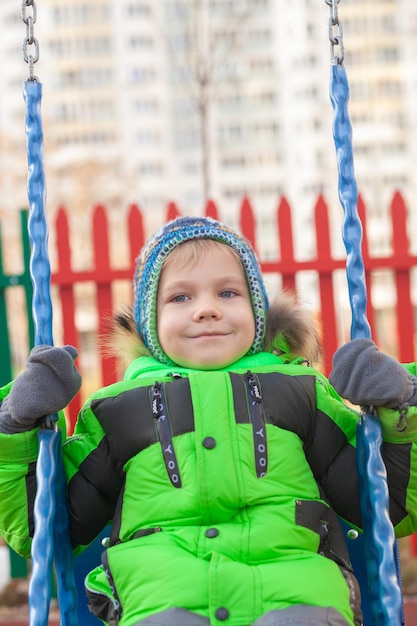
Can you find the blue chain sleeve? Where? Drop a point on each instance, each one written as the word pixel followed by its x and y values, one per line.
pixel 379 538
pixel 51 537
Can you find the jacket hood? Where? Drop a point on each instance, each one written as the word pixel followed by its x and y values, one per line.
pixel 151 261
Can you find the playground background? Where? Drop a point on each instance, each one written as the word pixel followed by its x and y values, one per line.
pixel 91 275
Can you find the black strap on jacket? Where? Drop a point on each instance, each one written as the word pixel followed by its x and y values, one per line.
pixel 258 423
pixel 160 413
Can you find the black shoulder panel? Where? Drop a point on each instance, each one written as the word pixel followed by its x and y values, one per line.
pixel 288 401
pixel 92 494
pixel 128 421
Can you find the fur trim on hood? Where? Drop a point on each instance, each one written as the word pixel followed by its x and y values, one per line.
pixel 122 340
pixel 291 333
pixel 291 330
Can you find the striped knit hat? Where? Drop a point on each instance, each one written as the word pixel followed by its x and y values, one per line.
pixel 153 255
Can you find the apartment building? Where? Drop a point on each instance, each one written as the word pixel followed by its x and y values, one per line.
pixel 154 100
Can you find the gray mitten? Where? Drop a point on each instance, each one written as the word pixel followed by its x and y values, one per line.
pixel 49 382
pixel 367 377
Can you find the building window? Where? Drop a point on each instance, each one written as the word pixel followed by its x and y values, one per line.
pixel 141 42
pixel 142 74
pixel 151 169
pixel 145 105
pixel 147 137
pixel 139 8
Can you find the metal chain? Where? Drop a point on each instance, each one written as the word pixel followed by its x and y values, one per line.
pixel 30 39
pixel 335 33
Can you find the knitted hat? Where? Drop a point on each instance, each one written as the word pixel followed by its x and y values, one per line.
pixel 153 255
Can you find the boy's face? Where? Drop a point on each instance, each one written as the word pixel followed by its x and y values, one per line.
pixel 204 311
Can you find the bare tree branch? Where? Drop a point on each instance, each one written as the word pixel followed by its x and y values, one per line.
pixel 210 55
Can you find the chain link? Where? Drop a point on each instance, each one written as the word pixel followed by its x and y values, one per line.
pixel 30 39
pixel 335 33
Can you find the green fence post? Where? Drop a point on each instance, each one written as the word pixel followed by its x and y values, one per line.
pixel 18 565
pixel 5 361
pixel 25 278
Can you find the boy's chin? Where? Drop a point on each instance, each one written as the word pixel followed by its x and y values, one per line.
pixel 206 365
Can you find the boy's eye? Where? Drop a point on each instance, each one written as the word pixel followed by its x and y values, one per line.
pixel 180 298
pixel 228 293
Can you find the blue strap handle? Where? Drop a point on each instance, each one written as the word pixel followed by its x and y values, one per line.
pixel 51 536
pixel 379 538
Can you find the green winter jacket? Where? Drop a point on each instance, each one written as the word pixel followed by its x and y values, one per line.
pixel 220 486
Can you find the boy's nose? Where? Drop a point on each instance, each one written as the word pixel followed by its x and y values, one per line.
pixel 207 310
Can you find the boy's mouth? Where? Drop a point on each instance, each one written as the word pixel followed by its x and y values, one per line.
pixel 209 335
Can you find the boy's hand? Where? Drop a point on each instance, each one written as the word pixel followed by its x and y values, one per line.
pixel 49 382
pixel 365 376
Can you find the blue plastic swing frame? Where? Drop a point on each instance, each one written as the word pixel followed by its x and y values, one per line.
pixel 51 543
pixel 380 548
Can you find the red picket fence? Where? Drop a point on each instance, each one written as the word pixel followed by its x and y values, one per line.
pixel 400 262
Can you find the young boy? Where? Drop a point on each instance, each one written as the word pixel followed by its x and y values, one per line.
pixel 221 459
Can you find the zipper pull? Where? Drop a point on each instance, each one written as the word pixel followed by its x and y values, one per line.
pixel 156 400
pixel 253 387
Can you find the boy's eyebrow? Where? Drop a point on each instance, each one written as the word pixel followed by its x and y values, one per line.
pixel 220 279
pixel 223 281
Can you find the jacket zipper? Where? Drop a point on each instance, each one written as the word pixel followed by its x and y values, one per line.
pixel 258 423
pixel 160 413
